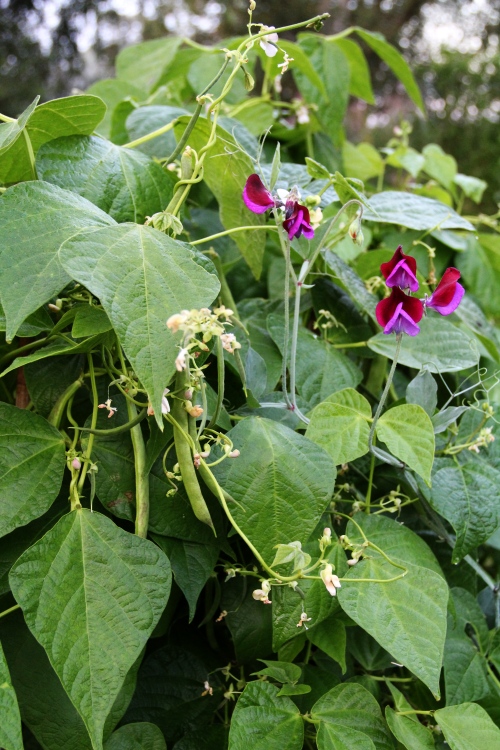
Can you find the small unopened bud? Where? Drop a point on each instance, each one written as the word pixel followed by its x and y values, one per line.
pixel 196 460
pixel 188 394
pixel 355 232
pixel 195 411
pixel 76 464
pixel 234 454
pixel 249 81
pixel 252 5
pixel 312 201
pixel 352 562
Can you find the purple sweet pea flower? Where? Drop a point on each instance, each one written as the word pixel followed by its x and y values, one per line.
pixel 447 295
pixel 297 221
pixel 401 271
pixel 400 313
pixel 256 196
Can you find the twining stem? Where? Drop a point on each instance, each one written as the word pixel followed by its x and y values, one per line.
pixel 370 484
pixel 59 407
pixel 381 403
pixel 88 453
pixel 122 428
pixel 11 609
pixel 257 227
pixel 141 475
pixel 220 383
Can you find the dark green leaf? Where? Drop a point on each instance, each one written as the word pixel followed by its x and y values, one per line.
pixel 340 425
pixel 408 433
pixel 144 120
pixel 31 474
pixel 422 390
pixel 10 727
pixel 140 736
pixel 272 722
pixel 409 731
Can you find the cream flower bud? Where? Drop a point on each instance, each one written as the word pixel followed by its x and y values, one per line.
pixel 195 411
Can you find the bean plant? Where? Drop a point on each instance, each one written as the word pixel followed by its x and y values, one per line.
pixel 249 482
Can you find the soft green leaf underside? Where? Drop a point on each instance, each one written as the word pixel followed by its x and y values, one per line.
pixel 409 434
pixel 91 594
pixel 468 727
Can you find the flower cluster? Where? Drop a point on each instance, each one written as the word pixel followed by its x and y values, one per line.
pixel 205 322
pixel 296 221
pixel 400 312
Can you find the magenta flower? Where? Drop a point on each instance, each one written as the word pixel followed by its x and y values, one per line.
pixel 401 271
pixel 297 221
pixel 256 196
pixel 447 295
pixel 400 313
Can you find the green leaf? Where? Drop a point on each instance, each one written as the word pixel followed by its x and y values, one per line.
pixel 360 82
pixel 10 728
pixel 340 425
pixel 11 131
pixel 473 187
pixel 60 346
pixel 272 722
pixel 40 321
pixel 422 391
pixel 353 284
pixel 226 175
pixel 30 475
pixel 60 117
pixel 291 552
pixel 362 161
pixel 414 212
pixel 406 616
pixel 468 727
pixel 35 218
pixel 439 347
pixel 294 690
pixel 480 266
pixel 350 718
pixel 281 482
pixel 409 731
pixel 346 191
pixel 122 182
pixel 408 433
pixel 89 321
pixel 395 61
pixel 113 585
pixel 320 368
pixel 302 62
pixel 112 91
pixel 249 622
pixel 407 158
pixel 330 637
pixel 143 64
pixel 192 565
pixel 468 496
pixel 440 166
pixel 47 380
pixel 140 736
pixel 144 120
pixel 141 277
pixel 281 671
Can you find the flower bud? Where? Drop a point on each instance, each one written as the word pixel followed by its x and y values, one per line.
pixel 312 201
pixel 355 232
pixel 249 81
pixel 234 454
pixel 195 411
pixel 76 464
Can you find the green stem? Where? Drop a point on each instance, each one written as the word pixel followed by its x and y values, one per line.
pixel 184 138
pixel 31 153
pixel 347 345
pixel 122 428
pixel 220 383
pixel 59 407
pixel 381 403
pixel 285 246
pixel 150 136
pixel 22 349
pixel 88 453
pixel 8 611
pixel 370 485
pixel 225 291
pixel 141 475
pixel 257 227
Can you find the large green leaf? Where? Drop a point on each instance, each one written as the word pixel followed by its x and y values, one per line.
pixel 250 626
pixel 144 120
pixel 406 616
pixel 121 181
pixel 281 481
pixel 440 166
pixel 440 347
pixel 340 425
pixel 31 466
pixel 226 169
pixel 91 594
pixel 10 726
pixel 409 434
pixel 320 368
pixel 395 61
pixel 140 736
pixel 143 64
pixel 350 717
pixel 59 117
pixel 59 346
pixel 360 83
pixel 409 731
pixel 354 285
pixel 45 707
pixel 141 277
pixel 112 91
pixel 480 266
pixel 35 218
pixel 468 496
pixel 468 727
pixel 414 212
pixel 267 721
pixel 11 131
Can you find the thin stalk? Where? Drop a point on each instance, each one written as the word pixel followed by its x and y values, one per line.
pixel 285 246
pixel 220 383
pixel 59 407
pixel 141 475
pixel 122 428
pixel 370 485
pixel 257 227
pixel 189 129
pixel 31 153
pixel 381 403
pixel 88 453
pixel 150 136
pixel 8 611
pixel 23 349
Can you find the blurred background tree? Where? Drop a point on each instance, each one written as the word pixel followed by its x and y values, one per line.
pixel 53 46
